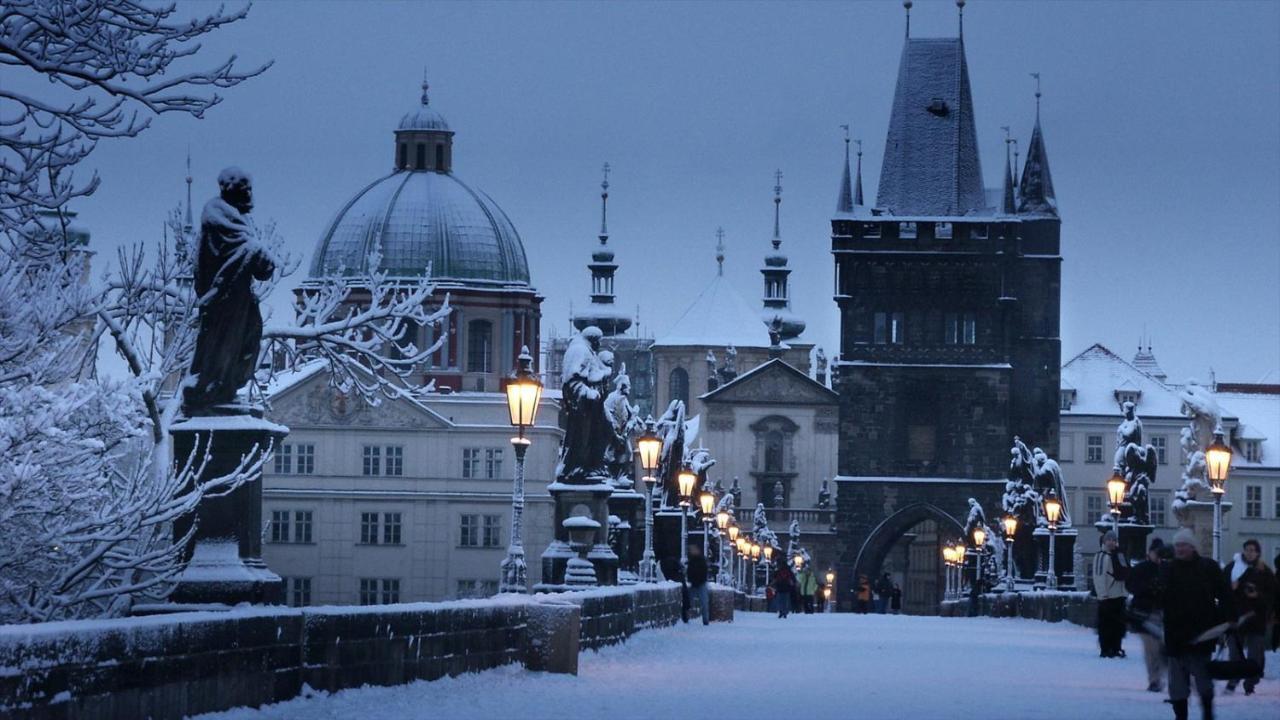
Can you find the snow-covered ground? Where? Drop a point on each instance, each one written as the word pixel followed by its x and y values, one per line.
pixel 815 666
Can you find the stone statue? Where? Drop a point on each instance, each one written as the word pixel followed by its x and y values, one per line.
pixel 587 431
pixel 1048 476
pixel 1128 432
pixel 624 421
pixel 779 494
pixel 1136 463
pixel 976 518
pixel 824 497
pixel 1203 417
pixel 228 260
pixel 759 519
pixel 671 427
pixel 820 360
pixel 794 531
pixel 775 333
pixel 736 492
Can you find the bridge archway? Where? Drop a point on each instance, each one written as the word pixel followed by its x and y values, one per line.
pixel 914 537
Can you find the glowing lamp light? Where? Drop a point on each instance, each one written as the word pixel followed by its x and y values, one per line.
pixel 722 520
pixel 743 548
pixel 826 593
pixel 768 552
pixel 755 551
pixel 959 551
pixel 979 536
pixel 1052 508
pixel 831 577
pixel 649 446
pixel 1010 525
pixel 707 501
pixel 1115 490
pixel 733 533
pixel 1218 459
pixel 948 554
pixel 686 480
pixel 523 392
pixel 799 561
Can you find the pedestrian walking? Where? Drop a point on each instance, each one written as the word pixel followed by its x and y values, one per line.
pixel 1253 589
pixel 1195 597
pixel 697 574
pixel 1275 610
pixel 1146 619
pixel 883 589
pixel 784 584
pixel 807 584
pixel 863 594
pixel 672 571
pixel 895 600
pixel 1110 568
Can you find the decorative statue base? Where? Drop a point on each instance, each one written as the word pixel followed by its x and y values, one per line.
pixel 225 554
pixel 581 532
pixel 1064 554
pixel 627 537
pixel 1133 537
pixel 1197 516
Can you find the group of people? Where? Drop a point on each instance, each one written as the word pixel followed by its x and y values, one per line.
pixel 800 590
pixel 882 596
pixel 1184 607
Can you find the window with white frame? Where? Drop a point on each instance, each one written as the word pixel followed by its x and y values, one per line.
pixel 1065 399
pixel 943 230
pixel 372 457
pixel 492 531
pixel 284 459
pixel 279 526
pixel 1161 444
pixel 295 459
pixel 1127 396
pixel 470 463
pixel 493 463
pixel 1252 450
pixel 1159 516
pixel 368 591
pixel 1253 501
pixel 907 230
pixel 368 528
pixel 469 530
pixel 395 460
pixel 1094 505
pixel 390 591
pixel 1093 449
pixel 299 590
pixel 302 526
pixel 391 528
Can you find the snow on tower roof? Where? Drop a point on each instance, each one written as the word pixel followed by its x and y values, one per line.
pixel 931 162
pixel 1259 415
pixel 1097 373
pixel 719 317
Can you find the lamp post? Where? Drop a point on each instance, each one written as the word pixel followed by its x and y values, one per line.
pixel 706 503
pixel 768 562
pixel 755 564
pixel 737 556
pixel 826 597
pixel 1217 459
pixel 686 480
pixel 1052 511
pixel 979 542
pixel 743 551
pixel 948 560
pixel 722 528
pixel 959 550
pixel 831 588
pixel 649 448
pixel 523 394
pixel 1010 529
pixel 1115 494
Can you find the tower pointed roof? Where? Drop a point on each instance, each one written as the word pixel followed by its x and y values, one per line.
pixel 844 203
pixel 1036 189
pixel 720 316
pixel 601 311
pixel 1145 360
pixel 1009 207
pixel 857 192
pixel 931 164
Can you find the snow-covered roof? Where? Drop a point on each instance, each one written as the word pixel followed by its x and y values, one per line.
pixel 719 317
pixel 931 162
pixel 774 363
pixel 1259 415
pixel 286 379
pixel 1097 373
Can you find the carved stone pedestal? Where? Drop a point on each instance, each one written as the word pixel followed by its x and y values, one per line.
pixel 1132 537
pixel 574 540
pixel 1065 541
pixel 225 554
pixel 1197 516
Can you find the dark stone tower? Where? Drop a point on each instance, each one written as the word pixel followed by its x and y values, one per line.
pixel 949 310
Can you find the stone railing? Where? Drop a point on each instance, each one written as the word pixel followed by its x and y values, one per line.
pixel 810 519
pixel 1080 608
pixel 171 666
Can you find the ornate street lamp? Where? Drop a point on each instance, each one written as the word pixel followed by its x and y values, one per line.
pixel 722 528
pixel 1217 458
pixel 1115 495
pixel 755 563
pixel 1010 529
pixel 949 561
pixel 686 481
pixel 707 503
pixel 799 561
pixel 1052 511
pixel 733 533
pixel 768 562
pixel 826 596
pixel 979 545
pixel 959 549
pixel 649 448
pixel 523 395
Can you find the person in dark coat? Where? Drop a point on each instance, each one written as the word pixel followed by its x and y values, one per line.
pixel 1144 612
pixel 784 584
pixel 697 575
pixel 883 589
pixel 672 571
pixel 1275 609
pixel 1195 597
pixel 895 600
pixel 1253 588
pixel 863 594
pixel 1110 569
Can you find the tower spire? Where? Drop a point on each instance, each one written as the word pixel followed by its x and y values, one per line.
pixel 188 224
pixel 1008 207
pixel 777 298
pixel 906 4
pixel 960 6
pixel 601 311
pixel 425 86
pixel 604 206
pixel 844 203
pixel 720 251
pixel 1036 75
pixel 857 193
pixel 777 208
pixel 1035 194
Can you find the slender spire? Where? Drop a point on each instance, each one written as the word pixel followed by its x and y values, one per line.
pixel 720 251
pixel 1036 75
pixel 844 203
pixel 1036 189
pixel 188 224
pixel 604 207
pixel 1008 207
pixel 1016 188
pixel 857 193
pixel 425 86
pixel 960 6
pixel 777 208
pixel 906 4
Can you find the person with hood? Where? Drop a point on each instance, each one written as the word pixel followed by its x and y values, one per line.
pixel 697 576
pixel 1253 589
pixel 784 583
pixel 807 584
pixel 895 600
pixel 671 570
pixel 1195 597
pixel 1144 612
pixel 1110 568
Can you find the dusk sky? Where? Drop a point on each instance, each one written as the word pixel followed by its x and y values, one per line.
pixel 1160 121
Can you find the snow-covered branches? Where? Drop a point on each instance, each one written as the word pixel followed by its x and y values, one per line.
pixel 114 66
pixel 366 327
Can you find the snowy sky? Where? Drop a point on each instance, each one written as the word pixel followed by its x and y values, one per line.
pixel 1160 121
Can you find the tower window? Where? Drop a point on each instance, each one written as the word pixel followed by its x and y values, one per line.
pixel 439 156
pixel 907 230
pixel 678 385
pixel 942 231
pixel 402 156
pixel 479 346
pixel 420 157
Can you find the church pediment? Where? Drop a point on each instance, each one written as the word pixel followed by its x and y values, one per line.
pixel 313 402
pixel 774 382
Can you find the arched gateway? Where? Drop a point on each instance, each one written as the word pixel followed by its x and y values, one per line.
pixel 877 516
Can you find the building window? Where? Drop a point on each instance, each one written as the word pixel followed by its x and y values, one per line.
pixel 372 460
pixel 492 531
pixel 299 589
pixel 1252 451
pixel 907 230
pixel 969 329
pixel 279 526
pixel 1253 501
pixel 470 463
pixel 493 463
pixel 368 528
pixel 391 528
pixel 1093 449
pixel 402 157
pixel 420 157
pixel 1158 516
pixel 1094 505
pixel 305 459
pixel 284 459
pixel 1276 509
pixel 1127 396
pixel 942 231
pixel 889 328
pixel 979 232
pixel 469 531
pixel 678 385
pixel 390 591
pixel 1065 399
pixel 479 346
pixel 395 460
pixel 302 526
pixel 368 591
pixel 871 230
pixel 439 156
pixel 962 329
pixel 1161 444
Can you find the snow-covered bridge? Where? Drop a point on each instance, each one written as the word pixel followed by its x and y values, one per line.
pixel 814 666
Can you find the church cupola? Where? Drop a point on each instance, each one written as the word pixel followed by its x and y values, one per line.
pixel 601 311
pixel 777 300
pixel 423 139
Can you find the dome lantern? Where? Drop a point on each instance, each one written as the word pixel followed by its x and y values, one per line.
pixel 423 139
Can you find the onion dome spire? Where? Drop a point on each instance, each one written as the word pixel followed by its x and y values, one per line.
pixel 601 311
pixel 777 299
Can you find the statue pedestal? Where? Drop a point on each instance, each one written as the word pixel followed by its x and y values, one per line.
pixel 1197 516
pixel 579 501
pixel 628 535
pixel 1132 537
pixel 224 557
pixel 1063 552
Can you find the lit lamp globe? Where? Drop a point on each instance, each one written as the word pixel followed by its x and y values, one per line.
pixel 799 561
pixel 722 520
pixel 755 551
pixel 741 543
pixel 733 533
pixel 649 448
pixel 959 551
pixel 523 394
pixel 1052 509
pixel 826 593
pixel 1217 458
pixel 979 537
pixel 686 480
pixel 948 555
pixel 831 577
pixel 1115 490
pixel 707 502
pixel 768 553
pixel 1010 525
